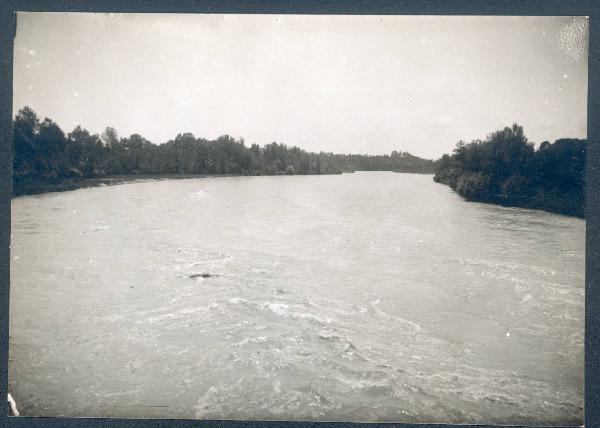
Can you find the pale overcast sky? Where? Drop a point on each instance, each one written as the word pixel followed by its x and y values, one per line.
pixel 350 84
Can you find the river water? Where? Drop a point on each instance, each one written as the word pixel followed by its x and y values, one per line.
pixel 372 296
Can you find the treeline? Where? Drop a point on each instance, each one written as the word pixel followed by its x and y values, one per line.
pixel 506 169
pixel 44 154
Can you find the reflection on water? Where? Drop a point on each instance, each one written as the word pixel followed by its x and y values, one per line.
pixel 364 297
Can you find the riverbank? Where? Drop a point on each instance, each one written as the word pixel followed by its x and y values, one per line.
pixel 39 187
pixel 556 202
pixel 506 169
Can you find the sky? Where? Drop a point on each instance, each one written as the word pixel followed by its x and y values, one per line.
pixel 346 84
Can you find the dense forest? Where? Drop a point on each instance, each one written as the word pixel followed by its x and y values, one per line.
pixel 506 169
pixel 44 156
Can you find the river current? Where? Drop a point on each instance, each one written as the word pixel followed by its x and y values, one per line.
pixel 372 296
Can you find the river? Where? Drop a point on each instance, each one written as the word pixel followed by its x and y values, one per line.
pixel 372 296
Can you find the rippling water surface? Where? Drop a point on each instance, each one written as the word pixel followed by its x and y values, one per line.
pixel 363 297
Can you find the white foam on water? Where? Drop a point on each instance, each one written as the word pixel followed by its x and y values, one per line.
pixel 277 308
pixel 246 340
pixel 177 314
pixel 379 312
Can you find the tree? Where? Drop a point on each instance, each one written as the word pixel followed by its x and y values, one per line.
pixel 506 169
pixel 110 137
pixel 43 153
pixel 52 144
pixel 25 130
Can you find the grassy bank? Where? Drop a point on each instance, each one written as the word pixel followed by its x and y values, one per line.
pixel 34 187
pixel 37 187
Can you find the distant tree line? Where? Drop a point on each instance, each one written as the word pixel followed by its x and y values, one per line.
pixel 44 154
pixel 506 169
